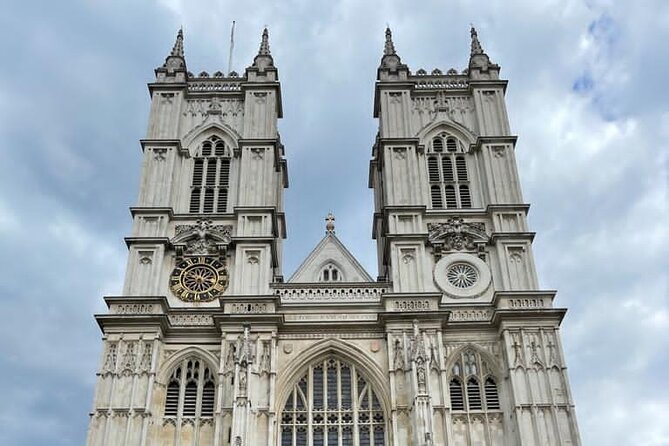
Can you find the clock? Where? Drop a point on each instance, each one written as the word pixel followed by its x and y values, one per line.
pixel 199 279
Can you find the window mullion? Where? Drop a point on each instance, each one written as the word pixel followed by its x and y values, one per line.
pixel 182 391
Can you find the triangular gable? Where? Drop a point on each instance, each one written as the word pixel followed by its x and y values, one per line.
pixel 330 250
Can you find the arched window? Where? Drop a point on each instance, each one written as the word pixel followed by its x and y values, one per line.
pixel 332 404
pixel 211 178
pixel 447 174
pixel 191 390
pixel 472 387
pixel 330 273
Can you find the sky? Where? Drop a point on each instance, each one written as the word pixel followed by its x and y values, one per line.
pixel 586 97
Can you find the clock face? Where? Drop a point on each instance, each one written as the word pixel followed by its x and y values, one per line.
pixel 199 279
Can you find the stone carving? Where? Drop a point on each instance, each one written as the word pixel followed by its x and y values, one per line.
pixel 243 308
pixel 535 351
pixel 229 365
pixel 330 294
pixel 264 364
pixel 213 86
pixel 110 359
pixel 145 361
pixel 526 303
pixel 517 351
pixel 129 359
pixel 159 154
pixel 411 305
pixel 202 238
pixel 470 315
pixel 244 349
pixel 134 309
pixel 398 355
pixel 434 355
pixel 443 106
pixel 456 235
pixel 191 319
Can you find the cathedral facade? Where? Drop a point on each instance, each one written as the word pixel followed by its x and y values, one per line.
pixel 453 344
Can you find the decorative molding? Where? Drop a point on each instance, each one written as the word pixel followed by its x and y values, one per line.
pixel 331 317
pixel 470 315
pixel 135 309
pixel 202 238
pixel 191 320
pixel 309 294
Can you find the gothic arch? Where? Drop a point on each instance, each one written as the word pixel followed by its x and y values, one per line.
pixel 495 367
pixel 461 132
pixel 198 134
pixel 341 349
pixel 208 358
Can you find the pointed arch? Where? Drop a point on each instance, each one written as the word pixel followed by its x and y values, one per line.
pixel 208 358
pixel 199 133
pixel 461 132
pixel 496 368
pixel 318 352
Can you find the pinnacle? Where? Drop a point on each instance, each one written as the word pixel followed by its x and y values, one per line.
pixel 389 48
pixel 264 44
pixel 476 45
pixel 178 49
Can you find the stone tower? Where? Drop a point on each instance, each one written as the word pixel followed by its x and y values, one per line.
pixel 453 344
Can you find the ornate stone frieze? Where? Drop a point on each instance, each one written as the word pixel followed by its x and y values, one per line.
pixel 471 315
pixel 134 308
pixel 327 317
pixel 330 294
pixel 191 319
pixel 455 234
pixel 248 307
pixel 444 106
pixel 412 305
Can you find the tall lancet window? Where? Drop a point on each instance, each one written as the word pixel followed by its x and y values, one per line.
pixel 447 173
pixel 190 391
pixel 472 386
pixel 211 178
pixel 332 405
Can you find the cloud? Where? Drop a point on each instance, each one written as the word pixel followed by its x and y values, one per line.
pixel 584 97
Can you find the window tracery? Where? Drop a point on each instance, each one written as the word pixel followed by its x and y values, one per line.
pixel 211 178
pixel 447 173
pixel 332 405
pixel 330 273
pixel 472 386
pixel 191 390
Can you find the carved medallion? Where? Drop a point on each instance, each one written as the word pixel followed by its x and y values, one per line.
pixel 199 279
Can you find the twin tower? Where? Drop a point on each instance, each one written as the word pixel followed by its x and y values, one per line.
pixel 454 343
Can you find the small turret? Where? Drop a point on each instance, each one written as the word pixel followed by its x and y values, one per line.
pixel 263 68
pixel 480 66
pixel 391 67
pixel 174 68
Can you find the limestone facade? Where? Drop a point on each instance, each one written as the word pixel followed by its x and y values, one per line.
pixel 453 344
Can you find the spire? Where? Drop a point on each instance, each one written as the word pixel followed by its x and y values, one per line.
pixel 175 62
pixel 264 44
pixel 178 49
pixel 476 45
pixel 391 65
pixel 480 66
pixel 389 48
pixel 264 58
pixel 329 225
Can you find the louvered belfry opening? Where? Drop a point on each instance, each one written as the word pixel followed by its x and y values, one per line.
pixel 447 174
pixel 332 405
pixel 191 391
pixel 472 387
pixel 211 178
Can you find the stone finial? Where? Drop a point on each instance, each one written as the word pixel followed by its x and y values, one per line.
pixel 330 225
pixel 264 44
pixel 175 62
pixel 389 48
pixel 178 48
pixel 264 58
pixel 476 45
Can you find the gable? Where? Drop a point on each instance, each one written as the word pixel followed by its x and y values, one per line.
pixel 330 251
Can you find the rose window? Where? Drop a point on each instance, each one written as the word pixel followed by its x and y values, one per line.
pixel 462 275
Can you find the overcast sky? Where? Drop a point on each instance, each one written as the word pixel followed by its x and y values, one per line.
pixel 587 98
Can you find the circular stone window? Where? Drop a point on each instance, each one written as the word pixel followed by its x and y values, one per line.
pixel 462 275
